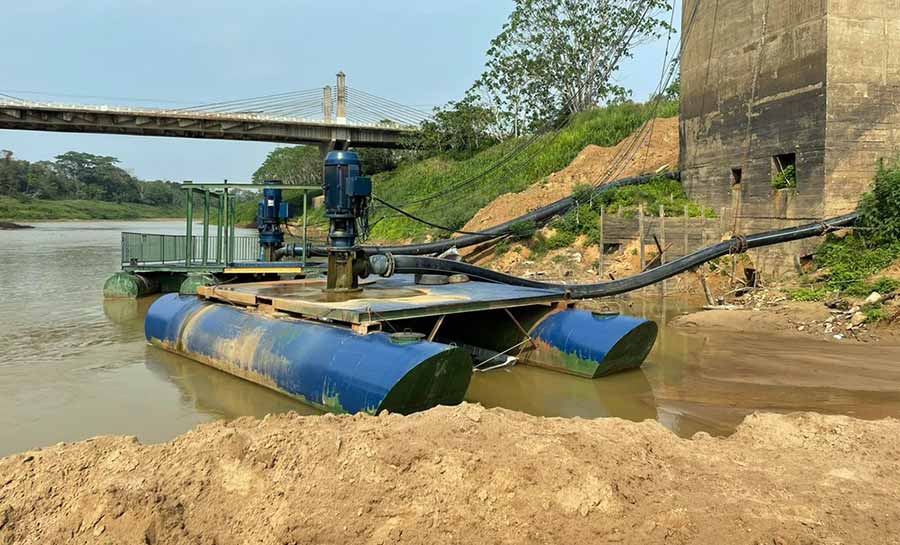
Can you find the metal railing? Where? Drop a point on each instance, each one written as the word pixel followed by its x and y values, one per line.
pixel 147 248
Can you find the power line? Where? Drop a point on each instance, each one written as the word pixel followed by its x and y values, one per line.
pixel 618 52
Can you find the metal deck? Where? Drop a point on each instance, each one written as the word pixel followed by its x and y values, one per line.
pixel 383 299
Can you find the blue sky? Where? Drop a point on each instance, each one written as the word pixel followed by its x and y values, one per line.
pixel 419 53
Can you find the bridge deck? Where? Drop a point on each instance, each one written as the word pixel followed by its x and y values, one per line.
pixel 196 124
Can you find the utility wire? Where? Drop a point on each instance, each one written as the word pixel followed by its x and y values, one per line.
pixel 617 50
pixel 421 220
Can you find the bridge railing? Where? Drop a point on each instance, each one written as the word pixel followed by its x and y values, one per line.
pixel 155 249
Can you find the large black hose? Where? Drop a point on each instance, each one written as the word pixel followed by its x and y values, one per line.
pixel 739 244
pixel 539 215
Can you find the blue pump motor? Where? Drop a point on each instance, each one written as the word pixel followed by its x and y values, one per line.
pixel 347 195
pixel 271 214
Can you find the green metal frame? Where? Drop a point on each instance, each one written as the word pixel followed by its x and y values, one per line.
pixel 226 207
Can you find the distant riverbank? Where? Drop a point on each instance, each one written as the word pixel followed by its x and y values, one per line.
pixel 38 209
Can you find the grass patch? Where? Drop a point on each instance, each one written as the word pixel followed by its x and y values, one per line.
pixel 585 219
pixel 853 260
pixel 659 192
pixel 808 294
pixel 36 209
pixel 549 153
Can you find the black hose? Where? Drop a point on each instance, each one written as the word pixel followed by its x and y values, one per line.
pixel 418 264
pixel 541 214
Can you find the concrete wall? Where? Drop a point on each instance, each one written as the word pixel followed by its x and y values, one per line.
pixel 863 112
pixel 753 86
pixel 818 78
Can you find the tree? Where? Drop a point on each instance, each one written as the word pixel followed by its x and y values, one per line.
pixel 98 177
pixel 559 56
pixel 460 127
pixel 295 165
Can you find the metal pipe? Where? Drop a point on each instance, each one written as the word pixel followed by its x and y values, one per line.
pixel 304 229
pixel 225 216
pixel 231 222
pixel 188 236
pixel 205 226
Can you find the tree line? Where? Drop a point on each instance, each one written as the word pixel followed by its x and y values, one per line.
pixel 81 176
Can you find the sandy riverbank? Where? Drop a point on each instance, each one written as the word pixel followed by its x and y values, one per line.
pixel 463 475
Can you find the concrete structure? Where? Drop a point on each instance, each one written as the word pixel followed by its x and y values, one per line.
pixel 770 83
pixel 198 124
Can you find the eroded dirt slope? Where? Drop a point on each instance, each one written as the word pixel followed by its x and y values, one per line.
pixel 653 146
pixel 464 475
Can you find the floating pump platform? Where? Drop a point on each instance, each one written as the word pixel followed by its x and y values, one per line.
pixel 401 342
pixel 395 345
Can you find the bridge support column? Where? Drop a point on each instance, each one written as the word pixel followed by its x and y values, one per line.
pixel 326 105
pixel 341 98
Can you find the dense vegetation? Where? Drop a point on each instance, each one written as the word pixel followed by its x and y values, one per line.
pixel 446 175
pixel 34 209
pixel 83 186
pixel 849 265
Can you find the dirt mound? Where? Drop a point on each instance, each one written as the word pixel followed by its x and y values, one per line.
pixel 463 475
pixel 593 164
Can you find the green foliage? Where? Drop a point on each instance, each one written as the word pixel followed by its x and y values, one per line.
pixel 522 230
pixel 502 247
pixel 876 314
pixel 879 209
pixel 75 177
pixel 295 165
pixel 583 193
pixel 808 294
pixel 851 262
pixel 459 129
pixel 549 153
pixel 659 192
pixel 375 161
pixel 561 239
pixel 37 209
pixel 786 178
pixel 554 58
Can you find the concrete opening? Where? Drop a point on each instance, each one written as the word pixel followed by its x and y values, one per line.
pixel 612 248
pixel 783 163
pixel 736 175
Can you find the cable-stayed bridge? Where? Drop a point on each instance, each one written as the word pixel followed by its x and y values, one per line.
pixel 337 120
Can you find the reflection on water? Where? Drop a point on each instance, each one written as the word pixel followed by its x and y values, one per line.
pixel 73 366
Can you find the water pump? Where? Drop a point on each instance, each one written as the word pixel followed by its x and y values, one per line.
pixel 347 196
pixel 272 213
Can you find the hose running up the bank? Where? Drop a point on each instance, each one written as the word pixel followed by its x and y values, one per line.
pixel 411 264
pixel 539 215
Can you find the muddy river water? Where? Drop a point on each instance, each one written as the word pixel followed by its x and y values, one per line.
pixel 73 366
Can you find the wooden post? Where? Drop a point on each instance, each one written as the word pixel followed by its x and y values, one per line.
pixel 686 229
pixel 602 241
pixel 662 242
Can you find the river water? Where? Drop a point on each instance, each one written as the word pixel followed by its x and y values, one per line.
pixel 74 366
